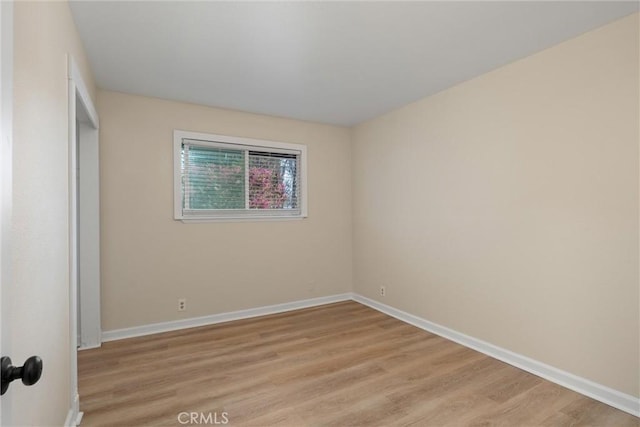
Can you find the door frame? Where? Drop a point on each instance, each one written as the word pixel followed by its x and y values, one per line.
pixel 87 157
pixel 83 124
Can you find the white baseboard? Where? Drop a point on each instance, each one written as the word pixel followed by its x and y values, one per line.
pixel 89 347
pixel 74 416
pixel 622 401
pixel 156 328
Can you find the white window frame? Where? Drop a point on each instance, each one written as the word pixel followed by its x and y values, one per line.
pixel 238 143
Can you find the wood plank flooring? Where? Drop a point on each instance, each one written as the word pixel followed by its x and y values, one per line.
pixel 341 364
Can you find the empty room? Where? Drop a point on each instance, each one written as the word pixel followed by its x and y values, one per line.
pixel 320 213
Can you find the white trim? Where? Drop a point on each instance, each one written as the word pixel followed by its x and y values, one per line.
pixel 74 416
pixel 174 325
pixel 622 401
pixel 85 262
pixel 73 249
pixel 70 416
pixel 249 219
pixel 82 92
pixel 211 139
pixel 77 91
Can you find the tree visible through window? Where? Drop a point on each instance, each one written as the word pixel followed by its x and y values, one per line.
pixel 272 181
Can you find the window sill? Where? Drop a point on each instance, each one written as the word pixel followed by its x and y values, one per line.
pixel 242 219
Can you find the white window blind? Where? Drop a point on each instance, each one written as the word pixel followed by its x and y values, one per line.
pixel 227 177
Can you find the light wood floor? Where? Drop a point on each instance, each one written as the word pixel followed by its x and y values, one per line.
pixel 342 364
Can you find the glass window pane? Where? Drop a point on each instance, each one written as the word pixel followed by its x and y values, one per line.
pixel 273 180
pixel 214 178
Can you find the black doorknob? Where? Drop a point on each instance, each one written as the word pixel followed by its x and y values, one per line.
pixel 30 373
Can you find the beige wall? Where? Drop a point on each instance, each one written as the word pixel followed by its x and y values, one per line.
pixel 149 260
pixel 506 207
pixel 44 34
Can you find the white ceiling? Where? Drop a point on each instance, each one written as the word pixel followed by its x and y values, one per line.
pixel 331 62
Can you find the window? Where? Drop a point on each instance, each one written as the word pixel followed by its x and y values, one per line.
pixel 222 177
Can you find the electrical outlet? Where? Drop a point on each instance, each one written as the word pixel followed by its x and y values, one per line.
pixel 383 291
pixel 182 304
